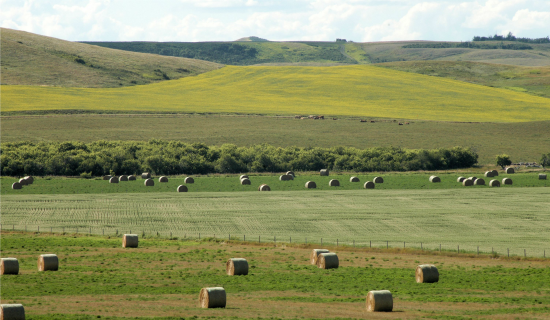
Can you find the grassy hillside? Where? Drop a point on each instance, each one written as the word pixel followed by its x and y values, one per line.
pixel 350 90
pixel 30 59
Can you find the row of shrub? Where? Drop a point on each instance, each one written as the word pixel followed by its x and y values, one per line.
pixel 173 157
pixel 468 44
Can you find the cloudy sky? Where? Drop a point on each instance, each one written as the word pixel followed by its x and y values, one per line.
pixel 324 20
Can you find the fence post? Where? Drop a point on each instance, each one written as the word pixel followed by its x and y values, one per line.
pixel 244 237
pixel 290 239
pixel 387 245
pixel 403 244
pixel 51 229
pixel 25 228
pixel 525 253
pixel 275 239
pixel 199 235
pixel 321 242
pixel 421 247
pixel 370 243
pixel 477 249
pixel 337 242
pixel 63 229
pixel 13 228
pixel 354 243
pixel 76 229
pixel 458 248
pixel 306 240
pixel 103 231
pixel 229 238
pixel 508 252
pixel 259 239
pixel 38 228
pixel 90 230
pixel 440 248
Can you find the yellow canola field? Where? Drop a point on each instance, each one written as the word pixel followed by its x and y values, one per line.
pixel 364 91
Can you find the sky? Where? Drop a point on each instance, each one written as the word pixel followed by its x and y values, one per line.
pixel 320 20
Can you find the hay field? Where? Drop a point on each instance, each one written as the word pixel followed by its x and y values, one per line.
pixel 99 279
pixel 515 218
pixel 349 90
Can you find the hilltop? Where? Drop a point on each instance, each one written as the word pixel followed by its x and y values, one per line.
pixel 252 38
pixel 31 59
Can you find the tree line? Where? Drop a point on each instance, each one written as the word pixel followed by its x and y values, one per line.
pixel 511 37
pixel 469 44
pixel 174 157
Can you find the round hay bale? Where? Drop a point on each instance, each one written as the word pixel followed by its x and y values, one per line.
pixel 510 170
pixel 149 182
pixel 353 179
pixel 163 179
pixel 245 181
pixel 368 185
pixel 542 176
pixel 12 312
pixel 123 178
pixel 146 175
pixel 323 172
pixel 379 300
pixel 378 180
pixel 189 180
pixel 16 186
pixel 507 181
pixel 435 179
pixel 291 173
pixel 334 183
pixel 23 182
pixel 311 185
pixel 244 176
pixel 489 174
pixel 264 187
pixel 479 182
pixel 113 180
pixel 130 241
pixel 286 177
pixel 467 182
pixel 472 178
pixel 315 255
pixel 9 266
pixel 30 179
pixel 427 273
pixel 494 183
pixel 182 188
pixel 236 267
pixel 495 173
pixel 327 260
pixel 107 177
pixel 212 297
pixel 131 178
pixel 460 179
pixel 48 262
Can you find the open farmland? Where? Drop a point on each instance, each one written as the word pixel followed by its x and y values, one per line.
pixel 350 90
pixel 99 279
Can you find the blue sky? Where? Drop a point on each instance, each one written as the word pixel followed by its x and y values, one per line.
pixel 323 20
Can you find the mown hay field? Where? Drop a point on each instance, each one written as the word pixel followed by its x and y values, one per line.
pixel 498 218
pixel 99 279
pixel 348 90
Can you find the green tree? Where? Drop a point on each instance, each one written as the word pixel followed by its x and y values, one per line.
pixel 545 160
pixel 503 160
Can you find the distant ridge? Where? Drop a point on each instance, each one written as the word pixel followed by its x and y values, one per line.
pixel 252 39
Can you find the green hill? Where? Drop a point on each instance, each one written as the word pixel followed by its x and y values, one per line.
pixel 30 59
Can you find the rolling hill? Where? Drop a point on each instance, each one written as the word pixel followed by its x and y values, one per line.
pixel 366 91
pixel 30 59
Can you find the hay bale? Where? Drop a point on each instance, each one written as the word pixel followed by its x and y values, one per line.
pixel 131 178
pixel 334 183
pixel 182 188
pixel 323 172
pixel 467 182
pixel 163 179
pixel 189 180
pixel 472 178
pixel 353 179
pixel 489 174
pixel 107 177
pixel 291 173
pixel 12 312
pixel 435 179
pixel 146 175
pixel 286 177
pixel 379 300
pixel 236 267
pixel 123 178
pixel 368 185
pixel 311 185
pixel 244 176
pixel 378 180
pixel 16 186
pixel 510 170
pixel 245 181
pixel 494 183
pixel 113 180
pixel 264 187
pixel 149 182
pixel 30 179
pixel 507 181
pixel 212 297
pixel 460 179
pixel 542 176
pixel 495 173
pixel 327 260
pixel 130 241
pixel 479 182
pixel 427 273
pixel 48 262
pixel 315 255
pixel 23 182
pixel 9 266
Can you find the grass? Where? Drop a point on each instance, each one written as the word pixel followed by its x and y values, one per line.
pixel 498 218
pixel 523 141
pixel 364 91
pixel 31 59
pixel 99 279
